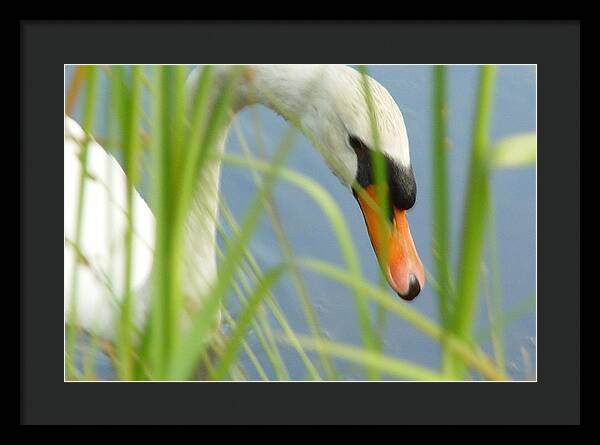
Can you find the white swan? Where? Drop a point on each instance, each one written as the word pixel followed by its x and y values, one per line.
pixel 330 105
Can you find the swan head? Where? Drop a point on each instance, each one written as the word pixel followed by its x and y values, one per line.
pixel 329 105
pixel 339 121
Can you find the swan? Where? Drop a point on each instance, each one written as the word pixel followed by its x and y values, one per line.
pixel 330 105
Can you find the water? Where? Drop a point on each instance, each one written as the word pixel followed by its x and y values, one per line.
pixel 514 195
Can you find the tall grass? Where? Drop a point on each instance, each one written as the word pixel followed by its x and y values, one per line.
pixel 183 342
pixel 474 217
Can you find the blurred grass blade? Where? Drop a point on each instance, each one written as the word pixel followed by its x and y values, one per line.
pixel 440 212
pixel 200 112
pixel 297 280
pixel 184 360
pixel 262 322
pixel 154 350
pixel 475 215
pixel 519 150
pixel 244 321
pixel 173 136
pixel 131 159
pixel 247 349
pixel 373 360
pixel 495 310
pixel 441 191
pixel 173 183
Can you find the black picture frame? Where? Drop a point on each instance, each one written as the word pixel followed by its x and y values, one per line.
pixel 47 45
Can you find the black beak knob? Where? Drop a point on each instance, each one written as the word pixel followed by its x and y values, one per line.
pixel 413 288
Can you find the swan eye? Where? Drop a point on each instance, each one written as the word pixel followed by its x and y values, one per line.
pixel 357 144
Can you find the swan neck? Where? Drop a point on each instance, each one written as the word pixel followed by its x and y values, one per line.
pixel 278 87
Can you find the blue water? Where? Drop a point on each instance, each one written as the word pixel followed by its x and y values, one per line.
pixel 514 194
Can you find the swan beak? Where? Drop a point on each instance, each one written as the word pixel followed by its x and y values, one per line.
pixel 394 247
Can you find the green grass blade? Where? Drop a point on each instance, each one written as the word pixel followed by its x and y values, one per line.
pixel 247 349
pixel 373 360
pixel 475 213
pixel 297 281
pixel 200 112
pixel 495 295
pixel 440 211
pixel 131 154
pixel 155 353
pixel 185 359
pixel 440 215
pixel 254 271
pixel 260 323
pixel 244 321
pixel 174 131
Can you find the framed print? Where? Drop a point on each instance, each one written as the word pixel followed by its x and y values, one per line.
pixel 295 236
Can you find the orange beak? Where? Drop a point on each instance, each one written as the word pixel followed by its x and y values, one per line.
pixel 393 245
